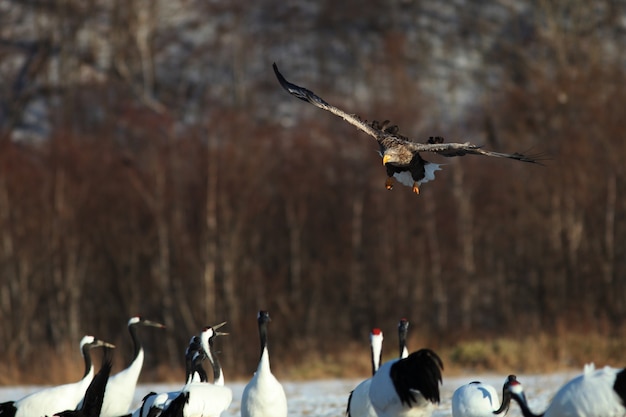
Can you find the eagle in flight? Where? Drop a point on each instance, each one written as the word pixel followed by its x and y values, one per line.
pixel 401 156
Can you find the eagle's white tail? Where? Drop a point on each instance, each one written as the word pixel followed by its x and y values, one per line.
pixel 429 172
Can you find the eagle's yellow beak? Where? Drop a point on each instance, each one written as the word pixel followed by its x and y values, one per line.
pixel 386 159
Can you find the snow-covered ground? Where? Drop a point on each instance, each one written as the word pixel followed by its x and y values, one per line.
pixel 327 398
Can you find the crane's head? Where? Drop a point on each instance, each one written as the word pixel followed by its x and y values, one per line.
pixel 512 389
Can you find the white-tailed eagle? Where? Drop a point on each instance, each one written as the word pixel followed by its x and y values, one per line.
pixel 401 156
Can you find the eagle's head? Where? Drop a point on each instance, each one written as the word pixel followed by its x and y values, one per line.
pixel 397 156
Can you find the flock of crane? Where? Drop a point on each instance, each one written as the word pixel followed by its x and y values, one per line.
pixel 406 386
pixel 105 395
pixel 409 386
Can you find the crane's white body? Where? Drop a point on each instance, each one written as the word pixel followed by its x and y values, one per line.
pixel 359 404
pixel 205 400
pixel 387 403
pixel 264 396
pixel 590 394
pixel 475 400
pixel 120 389
pixel 407 387
pixel 49 401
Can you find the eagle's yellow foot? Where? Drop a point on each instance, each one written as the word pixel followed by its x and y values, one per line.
pixel 389 183
pixel 416 190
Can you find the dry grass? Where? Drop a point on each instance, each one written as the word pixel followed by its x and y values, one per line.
pixel 533 354
pixel 47 367
pixel 542 353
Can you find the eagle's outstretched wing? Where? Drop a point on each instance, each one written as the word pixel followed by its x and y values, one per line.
pixel 459 149
pixel 389 137
pixel 309 96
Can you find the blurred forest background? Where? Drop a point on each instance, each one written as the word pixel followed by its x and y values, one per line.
pixel 151 164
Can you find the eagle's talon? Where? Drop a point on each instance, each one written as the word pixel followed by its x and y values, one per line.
pixel 416 189
pixel 389 183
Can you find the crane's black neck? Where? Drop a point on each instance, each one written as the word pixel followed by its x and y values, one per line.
pixel 523 405
pixel 87 358
pixel 94 396
pixel 403 330
pixel 197 368
pixel 401 342
pixel 217 368
pixel 263 336
pixel 132 329
pixel 215 362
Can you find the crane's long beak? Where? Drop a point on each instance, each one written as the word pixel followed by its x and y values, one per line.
pixel 217 326
pixel 102 343
pixel 154 324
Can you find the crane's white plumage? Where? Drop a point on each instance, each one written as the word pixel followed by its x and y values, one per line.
pixel 407 387
pixel 120 389
pixel 594 393
pixel 264 395
pixel 206 399
pixel 53 400
pixel 359 404
pixel 475 400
